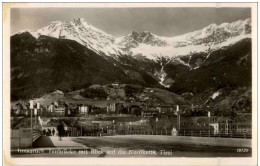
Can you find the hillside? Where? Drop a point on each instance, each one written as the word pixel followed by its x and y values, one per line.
pixel 229 67
pixel 146 52
pixel 189 68
pixel 150 95
pixel 47 64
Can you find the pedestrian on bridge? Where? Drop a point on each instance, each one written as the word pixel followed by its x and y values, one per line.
pixel 60 130
pixel 49 132
pixel 44 132
pixel 53 132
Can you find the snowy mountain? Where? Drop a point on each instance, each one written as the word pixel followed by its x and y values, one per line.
pixel 80 31
pixel 156 57
pixel 146 43
pixel 210 66
pixel 211 37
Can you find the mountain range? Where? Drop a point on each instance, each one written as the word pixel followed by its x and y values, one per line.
pixel 74 54
pixel 146 43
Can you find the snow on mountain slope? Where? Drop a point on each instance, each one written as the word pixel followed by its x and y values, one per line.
pixel 146 43
pixel 211 37
pixel 150 51
pixel 206 40
pixel 82 32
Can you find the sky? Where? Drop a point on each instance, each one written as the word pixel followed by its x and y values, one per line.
pixel 121 21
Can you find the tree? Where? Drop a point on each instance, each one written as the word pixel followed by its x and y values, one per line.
pixel 130 90
pixel 94 93
pixel 135 110
pixel 123 110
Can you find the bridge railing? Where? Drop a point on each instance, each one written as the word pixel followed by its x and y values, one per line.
pixel 36 134
pixel 189 133
pixel 223 134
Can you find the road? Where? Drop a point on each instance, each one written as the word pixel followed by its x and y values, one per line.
pixel 53 141
pixel 52 146
pixel 133 146
pixel 125 146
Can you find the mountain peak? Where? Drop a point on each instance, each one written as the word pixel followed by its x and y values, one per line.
pixel 248 20
pixel 82 19
pixel 144 42
pixel 79 21
pixel 141 35
pixel 146 32
pixel 55 22
pixel 134 33
pixel 210 27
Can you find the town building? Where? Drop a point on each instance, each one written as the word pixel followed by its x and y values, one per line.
pixel 198 108
pixel 51 108
pixel 84 109
pixel 166 109
pixel 59 111
pixel 149 112
pixel 225 126
pixel 115 107
pixel 244 127
pixel 20 109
